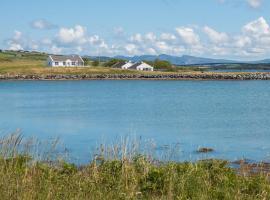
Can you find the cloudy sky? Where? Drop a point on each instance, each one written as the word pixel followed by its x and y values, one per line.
pixel 233 29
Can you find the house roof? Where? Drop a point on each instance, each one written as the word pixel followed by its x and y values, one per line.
pixel 138 64
pixel 135 65
pixel 73 58
pixel 119 64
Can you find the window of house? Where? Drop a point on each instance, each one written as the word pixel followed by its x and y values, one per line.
pixel 64 63
pixel 73 63
pixel 56 63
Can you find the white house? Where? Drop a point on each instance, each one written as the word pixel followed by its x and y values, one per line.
pixel 140 66
pixel 123 65
pixel 65 61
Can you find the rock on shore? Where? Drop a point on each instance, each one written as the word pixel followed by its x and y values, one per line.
pixel 183 76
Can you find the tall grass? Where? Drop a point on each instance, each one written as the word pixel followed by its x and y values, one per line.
pixel 119 171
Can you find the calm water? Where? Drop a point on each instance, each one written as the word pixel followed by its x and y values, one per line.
pixel 233 117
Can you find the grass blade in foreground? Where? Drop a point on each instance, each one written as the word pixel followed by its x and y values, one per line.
pixel 129 176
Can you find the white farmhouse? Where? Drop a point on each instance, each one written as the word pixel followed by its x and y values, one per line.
pixel 65 61
pixel 142 66
pixel 123 65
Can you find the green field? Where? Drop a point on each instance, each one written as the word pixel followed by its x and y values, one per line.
pixel 29 63
pixel 35 63
pixel 13 64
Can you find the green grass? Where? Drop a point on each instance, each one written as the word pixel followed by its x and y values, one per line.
pixel 14 63
pixel 119 173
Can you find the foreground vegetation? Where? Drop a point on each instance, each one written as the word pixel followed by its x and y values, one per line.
pixel 119 173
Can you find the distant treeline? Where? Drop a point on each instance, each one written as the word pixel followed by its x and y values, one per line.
pixel 243 66
pixel 9 56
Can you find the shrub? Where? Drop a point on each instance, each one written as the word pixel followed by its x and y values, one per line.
pixel 95 63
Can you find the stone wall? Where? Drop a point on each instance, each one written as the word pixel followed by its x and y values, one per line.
pixel 183 76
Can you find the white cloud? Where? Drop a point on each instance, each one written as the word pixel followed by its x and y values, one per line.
pixel 56 50
pixel 136 38
pixel 77 40
pixel 46 41
pixel 15 46
pixel 17 35
pixel 188 36
pixel 131 49
pixel 258 32
pixel 150 37
pixel 151 51
pixel 242 41
pixel 214 36
pixel 167 37
pixel 95 40
pixel 252 40
pixel 42 24
pixel 119 31
pixel 72 35
pixel 15 43
pixel 151 43
pixel 254 3
pixel 258 27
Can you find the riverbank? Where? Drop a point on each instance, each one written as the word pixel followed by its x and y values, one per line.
pixel 120 172
pixel 145 76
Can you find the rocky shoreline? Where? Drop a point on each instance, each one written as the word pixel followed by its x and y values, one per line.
pixel 180 76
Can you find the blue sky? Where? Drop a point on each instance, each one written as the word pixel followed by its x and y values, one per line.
pixel 234 29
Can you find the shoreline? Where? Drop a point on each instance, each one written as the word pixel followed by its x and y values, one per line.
pixel 176 76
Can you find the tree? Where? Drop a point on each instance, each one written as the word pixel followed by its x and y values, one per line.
pixel 95 63
pixel 87 61
pixel 162 64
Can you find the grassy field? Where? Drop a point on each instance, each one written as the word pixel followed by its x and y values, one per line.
pixel 30 63
pixel 35 63
pixel 14 63
pixel 120 173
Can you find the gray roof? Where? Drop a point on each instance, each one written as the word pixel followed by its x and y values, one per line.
pixel 135 65
pixel 73 58
pixel 119 64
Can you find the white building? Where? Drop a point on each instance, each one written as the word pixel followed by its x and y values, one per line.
pixel 123 65
pixel 140 66
pixel 65 61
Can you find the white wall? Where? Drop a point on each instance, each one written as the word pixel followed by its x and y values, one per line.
pixel 68 63
pixel 145 67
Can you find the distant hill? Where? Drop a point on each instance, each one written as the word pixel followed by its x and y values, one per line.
pixel 265 61
pixel 183 60
pixel 100 58
pixel 180 60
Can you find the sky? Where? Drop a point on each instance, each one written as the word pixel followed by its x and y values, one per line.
pixel 231 29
